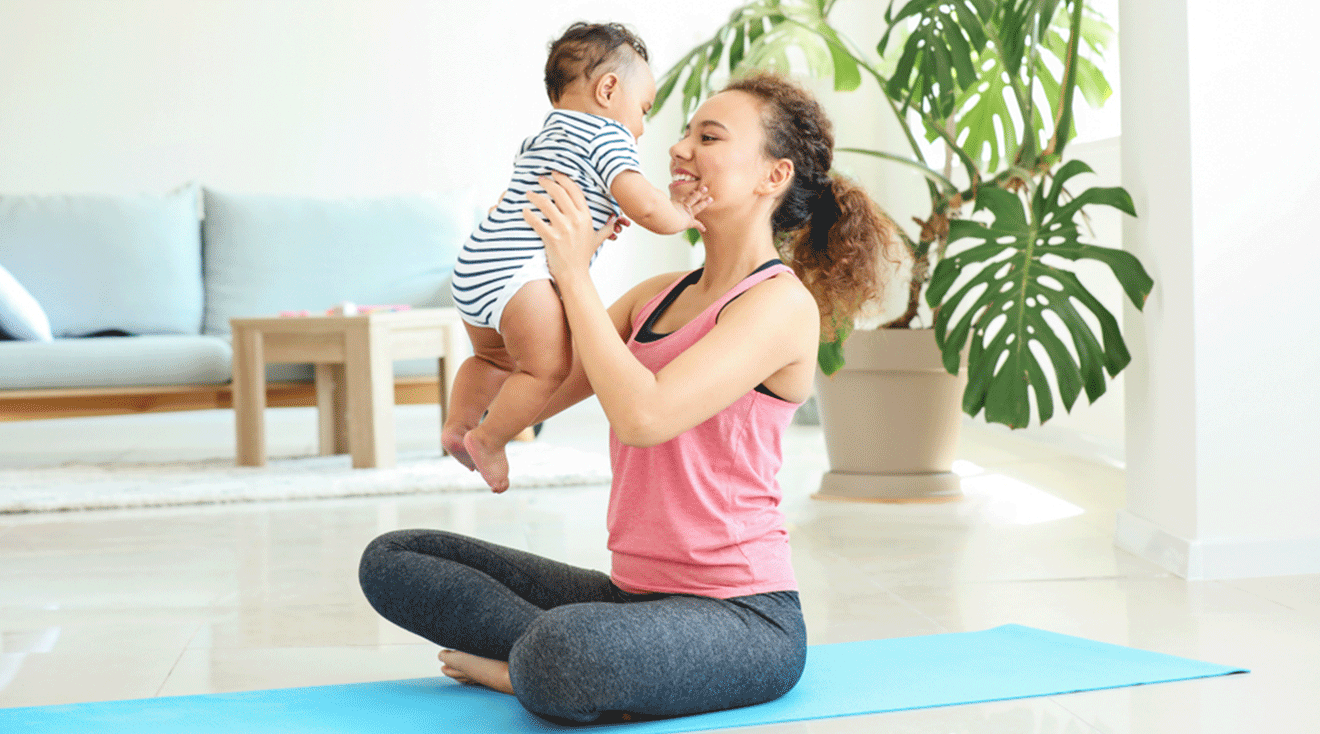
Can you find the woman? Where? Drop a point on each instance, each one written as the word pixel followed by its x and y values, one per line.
pixel 699 375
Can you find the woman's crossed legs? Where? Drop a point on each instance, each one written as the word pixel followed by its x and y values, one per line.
pixel 577 646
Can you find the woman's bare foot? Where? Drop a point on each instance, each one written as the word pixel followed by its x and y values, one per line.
pixel 490 461
pixel 466 668
pixel 452 442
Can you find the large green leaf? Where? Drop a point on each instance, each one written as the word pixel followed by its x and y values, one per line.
pixel 739 44
pixel 1006 117
pixel 1011 26
pixel 1007 283
pixel 760 34
pixel 988 118
pixel 1097 37
pixel 940 54
pixel 847 75
pixel 1091 81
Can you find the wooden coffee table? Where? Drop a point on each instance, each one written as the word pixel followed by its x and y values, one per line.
pixel 353 358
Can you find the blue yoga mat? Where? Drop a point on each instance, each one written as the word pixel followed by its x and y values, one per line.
pixel 843 679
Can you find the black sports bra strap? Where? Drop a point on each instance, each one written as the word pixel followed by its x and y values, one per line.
pixel 647 331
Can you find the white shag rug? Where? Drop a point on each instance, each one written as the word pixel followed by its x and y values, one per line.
pixel 105 486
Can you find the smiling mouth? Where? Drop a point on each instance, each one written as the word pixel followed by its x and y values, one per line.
pixel 680 178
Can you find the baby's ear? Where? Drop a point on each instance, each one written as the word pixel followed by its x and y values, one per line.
pixel 607 85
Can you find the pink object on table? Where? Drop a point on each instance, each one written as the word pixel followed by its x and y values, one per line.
pixel 350 309
pixel 291 314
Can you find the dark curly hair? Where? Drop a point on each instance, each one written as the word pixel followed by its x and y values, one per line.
pixel 827 228
pixel 583 48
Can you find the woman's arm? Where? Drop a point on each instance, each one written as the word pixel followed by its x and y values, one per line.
pixel 771 327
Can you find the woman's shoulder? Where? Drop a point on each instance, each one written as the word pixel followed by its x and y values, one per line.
pixel 778 301
pixel 784 290
pixel 642 293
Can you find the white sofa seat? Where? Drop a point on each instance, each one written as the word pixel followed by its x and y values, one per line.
pixel 114 362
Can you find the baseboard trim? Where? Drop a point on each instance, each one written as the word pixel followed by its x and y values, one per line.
pixel 1146 540
pixel 1197 560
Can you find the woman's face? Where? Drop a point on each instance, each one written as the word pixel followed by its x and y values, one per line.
pixel 722 149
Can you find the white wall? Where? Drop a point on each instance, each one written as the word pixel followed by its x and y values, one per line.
pixel 1222 464
pixel 360 97
pixel 321 97
pixel 1255 267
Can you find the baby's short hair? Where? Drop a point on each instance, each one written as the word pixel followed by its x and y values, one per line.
pixel 582 49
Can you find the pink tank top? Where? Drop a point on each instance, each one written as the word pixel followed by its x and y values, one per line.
pixel 700 514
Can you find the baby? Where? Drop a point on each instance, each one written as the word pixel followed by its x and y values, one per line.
pixel 601 87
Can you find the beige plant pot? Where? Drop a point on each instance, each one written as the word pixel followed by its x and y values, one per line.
pixel 891 418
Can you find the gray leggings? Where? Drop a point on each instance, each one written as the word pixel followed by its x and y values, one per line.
pixel 579 648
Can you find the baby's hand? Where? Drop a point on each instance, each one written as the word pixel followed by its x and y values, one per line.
pixel 692 204
pixel 619 223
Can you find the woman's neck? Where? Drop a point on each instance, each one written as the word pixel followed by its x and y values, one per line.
pixel 732 252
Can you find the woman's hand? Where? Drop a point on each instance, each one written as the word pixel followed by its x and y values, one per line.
pixel 568 232
pixel 772 327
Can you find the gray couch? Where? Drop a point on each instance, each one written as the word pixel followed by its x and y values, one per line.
pixel 172 270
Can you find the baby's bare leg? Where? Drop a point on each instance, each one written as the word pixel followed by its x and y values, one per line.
pixel 475 386
pixel 536 338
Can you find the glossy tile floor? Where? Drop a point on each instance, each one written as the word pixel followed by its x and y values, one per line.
pixel 129 604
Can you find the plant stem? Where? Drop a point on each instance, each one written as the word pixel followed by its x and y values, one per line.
pixel 1063 123
pixel 914 303
pixel 920 250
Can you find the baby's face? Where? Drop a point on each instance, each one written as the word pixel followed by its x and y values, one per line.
pixel 635 97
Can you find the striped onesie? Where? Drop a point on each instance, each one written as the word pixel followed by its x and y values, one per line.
pixel 504 252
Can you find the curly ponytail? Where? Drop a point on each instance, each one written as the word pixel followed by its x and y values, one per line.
pixel 827 228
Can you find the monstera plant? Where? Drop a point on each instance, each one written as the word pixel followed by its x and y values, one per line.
pixel 984 92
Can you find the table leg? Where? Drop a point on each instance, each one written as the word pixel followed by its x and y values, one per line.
pixel 249 397
pixel 331 409
pixel 369 373
pixel 444 402
pixel 455 347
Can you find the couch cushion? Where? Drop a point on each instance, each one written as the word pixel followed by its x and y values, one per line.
pixel 108 262
pixel 266 254
pixel 114 362
pixel 21 316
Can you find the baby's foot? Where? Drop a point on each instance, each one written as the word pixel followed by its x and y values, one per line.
pixel 490 461
pixel 452 442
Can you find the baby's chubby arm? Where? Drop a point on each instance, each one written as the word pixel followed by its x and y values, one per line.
pixel 652 208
